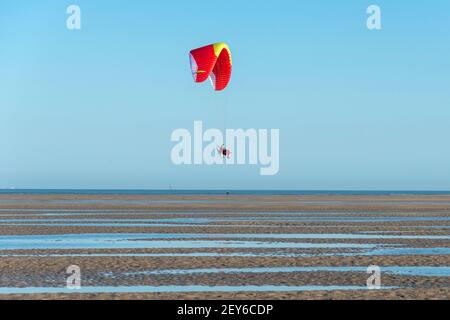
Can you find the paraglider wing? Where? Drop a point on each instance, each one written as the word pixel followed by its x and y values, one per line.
pixel 214 62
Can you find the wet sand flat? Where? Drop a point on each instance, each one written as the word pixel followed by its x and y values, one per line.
pixel 224 246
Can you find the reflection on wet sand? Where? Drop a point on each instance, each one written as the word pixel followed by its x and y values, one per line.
pixel 175 288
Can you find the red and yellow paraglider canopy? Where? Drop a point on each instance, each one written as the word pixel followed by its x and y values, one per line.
pixel 214 62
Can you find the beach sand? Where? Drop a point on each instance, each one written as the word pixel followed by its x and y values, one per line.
pixel 242 232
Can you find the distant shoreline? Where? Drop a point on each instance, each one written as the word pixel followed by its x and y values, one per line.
pixel 220 192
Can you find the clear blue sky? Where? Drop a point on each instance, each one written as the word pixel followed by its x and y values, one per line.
pixel 356 109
